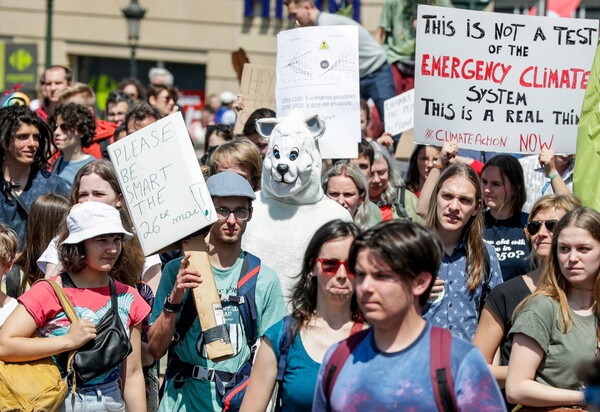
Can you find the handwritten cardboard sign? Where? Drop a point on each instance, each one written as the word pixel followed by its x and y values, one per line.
pixel 399 112
pixel 258 88
pixel 162 183
pixel 317 71
pixel 501 82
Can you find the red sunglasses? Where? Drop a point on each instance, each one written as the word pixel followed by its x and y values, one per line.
pixel 331 266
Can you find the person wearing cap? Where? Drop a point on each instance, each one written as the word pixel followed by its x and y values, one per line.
pixel 90 253
pixel 187 388
pixel 226 114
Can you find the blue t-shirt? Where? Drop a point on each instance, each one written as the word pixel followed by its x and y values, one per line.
pixel 67 170
pixel 298 386
pixel 457 310
pixel 372 380
pixel 508 239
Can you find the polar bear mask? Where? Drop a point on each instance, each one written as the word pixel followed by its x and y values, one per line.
pixel 292 166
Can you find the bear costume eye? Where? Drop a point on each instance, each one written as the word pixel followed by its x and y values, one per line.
pixel 293 154
pixel 276 152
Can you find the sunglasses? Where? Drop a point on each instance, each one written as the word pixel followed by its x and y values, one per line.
pixel 331 266
pixel 534 226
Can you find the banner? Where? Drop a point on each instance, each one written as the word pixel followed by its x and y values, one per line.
pixel 317 71
pixel 501 82
pixel 162 183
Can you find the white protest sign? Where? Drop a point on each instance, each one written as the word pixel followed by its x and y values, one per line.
pixel 162 183
pixel 399 112
pixel 317 71
pixel 501 82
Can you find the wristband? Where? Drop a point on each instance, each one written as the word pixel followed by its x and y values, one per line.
pixel 172 307
pixel 553 176
pixel 438 166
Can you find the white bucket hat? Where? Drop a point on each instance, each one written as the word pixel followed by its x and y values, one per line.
pixel 91 219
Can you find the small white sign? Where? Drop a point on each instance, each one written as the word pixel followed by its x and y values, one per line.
pixel 162 183
pixel 400 113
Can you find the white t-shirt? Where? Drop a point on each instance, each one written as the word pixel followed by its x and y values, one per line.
pixel 7 310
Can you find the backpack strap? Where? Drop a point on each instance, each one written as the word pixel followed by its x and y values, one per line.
pixel 247 307
pixel 338 359
pixel 485 286
pixel 400 202
pixel 439 369
pixel 284 345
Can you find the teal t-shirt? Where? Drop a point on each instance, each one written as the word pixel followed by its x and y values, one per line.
pixel 199 395
pixel 298 385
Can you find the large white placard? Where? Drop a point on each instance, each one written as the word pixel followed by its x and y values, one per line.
pixel 501 82
pixel 162 183
pixel 317 71
pixel 399 112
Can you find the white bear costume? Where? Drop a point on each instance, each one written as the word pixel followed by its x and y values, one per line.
pixel 291 205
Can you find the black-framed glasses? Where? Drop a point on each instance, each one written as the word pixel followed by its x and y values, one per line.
pixel 239 214
pixel 330 266
pixel 534 226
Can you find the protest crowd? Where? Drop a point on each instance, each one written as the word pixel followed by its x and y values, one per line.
pixel 455 281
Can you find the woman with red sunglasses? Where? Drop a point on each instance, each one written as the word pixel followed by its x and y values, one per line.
pixel 324 312
pixel 496 318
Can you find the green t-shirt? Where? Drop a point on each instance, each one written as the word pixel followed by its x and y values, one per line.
pixel 197 395
pixel 541 321
pixel 397 17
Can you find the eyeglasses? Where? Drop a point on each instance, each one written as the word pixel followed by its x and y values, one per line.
pixel 239 214
pixel 220 127
pixel 534 226
pixel 330 266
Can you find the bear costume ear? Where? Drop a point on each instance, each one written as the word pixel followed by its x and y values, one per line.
pixel 315 125
pixel 265 127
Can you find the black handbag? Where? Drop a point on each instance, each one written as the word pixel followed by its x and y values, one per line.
pixel 108 349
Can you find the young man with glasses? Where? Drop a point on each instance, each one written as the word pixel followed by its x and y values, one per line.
pixel 232 197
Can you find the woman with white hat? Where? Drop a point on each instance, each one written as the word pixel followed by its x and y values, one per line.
pixel 89 254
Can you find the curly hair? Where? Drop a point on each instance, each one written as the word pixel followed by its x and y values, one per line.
pixel 304 295
pixel 11 119
pixel 76 118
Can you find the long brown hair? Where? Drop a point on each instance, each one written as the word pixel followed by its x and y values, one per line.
pixel 472 232
pixel 47 213
pixel 552 282
pixel 304 295
pixel 132 256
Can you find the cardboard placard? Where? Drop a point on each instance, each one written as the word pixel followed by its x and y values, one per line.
pixel 317 71
pixel 258 89
pixel 162 184
pixel 501 82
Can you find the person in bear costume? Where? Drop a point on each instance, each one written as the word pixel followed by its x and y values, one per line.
pixel 291 205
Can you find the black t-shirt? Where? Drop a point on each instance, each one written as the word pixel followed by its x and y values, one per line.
pixel 509 240
pixel 502 301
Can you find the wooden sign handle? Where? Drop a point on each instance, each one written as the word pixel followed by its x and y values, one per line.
pixel 208 302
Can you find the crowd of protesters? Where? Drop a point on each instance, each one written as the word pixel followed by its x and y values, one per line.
pixel 458 284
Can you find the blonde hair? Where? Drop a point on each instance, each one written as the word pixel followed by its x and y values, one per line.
pixel 241 151
pixel 552 282
pixel 8 244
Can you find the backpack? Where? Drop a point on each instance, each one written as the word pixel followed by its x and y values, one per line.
pixel 230 386
pixel 439 369
pixel 400 201
pixel 35 385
